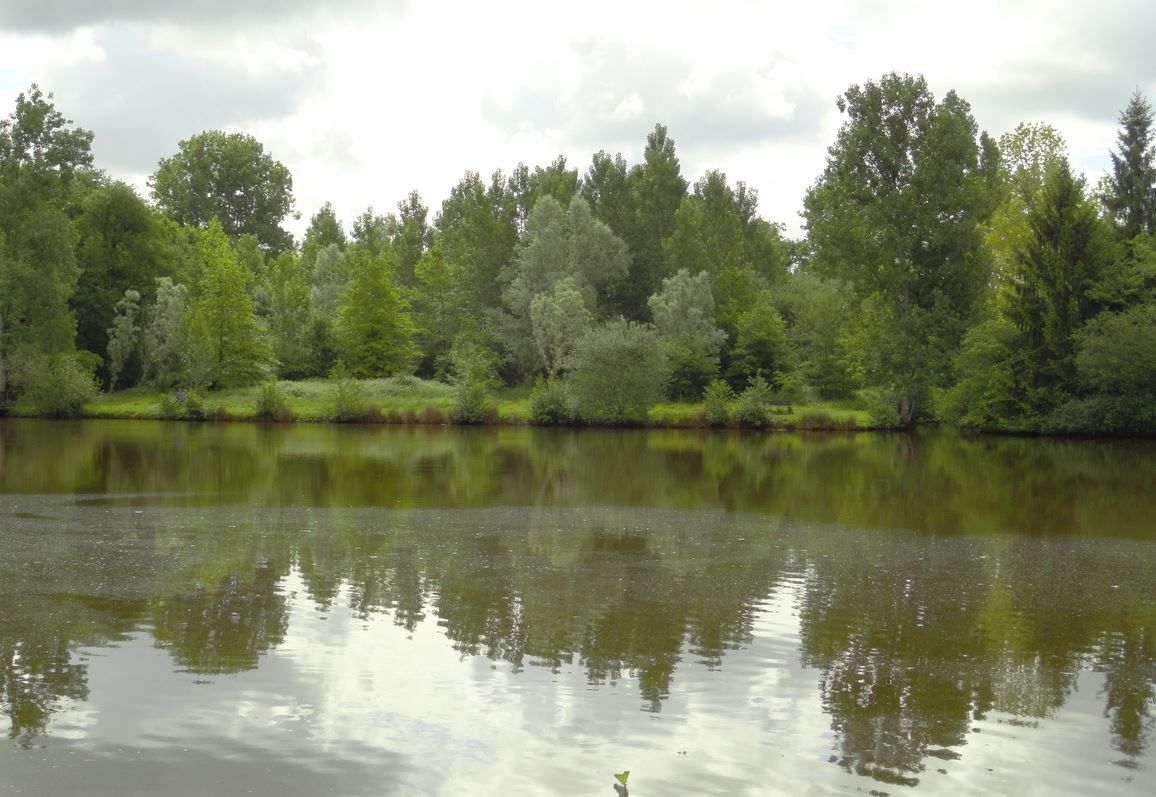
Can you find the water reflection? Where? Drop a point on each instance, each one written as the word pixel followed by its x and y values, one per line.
pixel 939 584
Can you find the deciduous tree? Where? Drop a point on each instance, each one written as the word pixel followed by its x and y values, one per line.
pixel 229 177
pixel 898 214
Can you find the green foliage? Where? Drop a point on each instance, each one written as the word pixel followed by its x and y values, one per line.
pixel 228 346
pixel 558 318
pixel 1116 362
pixel 751 407
pixel 183 404
pixel 618 372
pixel 898 215
pixel 478 233
pixel 1129 277
pixel 716 403
pixel 1026 155
pixel 347 399
pixel 228 177
pixel 763 345
pixel 657 187
pixel 324 230
pixel 884 408
pixel 164 335
pixel 990 393
pixel 440 310
pixel 528 188
pixel 474 377
pixel 551 403
pixel 123 336
pixel 559 245
pixel 717 228
pixel 820 324
pixel 55 385
pixel 43 163
pixel 1130 198
pixel 683 314
pixel 1048 298
pixel 329 276
pixel 374 330
pixel 691 368
pixel 121 245
pixel 271 403
pixel 290 317
pixel 410 237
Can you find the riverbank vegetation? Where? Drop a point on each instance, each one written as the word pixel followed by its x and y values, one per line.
pixel 944 275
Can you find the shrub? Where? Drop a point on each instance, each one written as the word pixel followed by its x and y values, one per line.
pixel 751 407
pixel 182 404
pixel 470 402
pixel 56 385
pixel 716 403
pixel 618 372
pixel 551 403
pixel 271 404
pixel 882 408
pixel 347 397
pixel 474 369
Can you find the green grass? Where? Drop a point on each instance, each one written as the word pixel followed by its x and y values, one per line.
pixel 815 415
pixel 408 399
pixel 404 397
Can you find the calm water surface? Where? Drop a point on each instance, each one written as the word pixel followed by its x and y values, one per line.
pixel 312 610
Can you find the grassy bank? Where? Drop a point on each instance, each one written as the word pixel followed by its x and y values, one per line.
pixel 409 400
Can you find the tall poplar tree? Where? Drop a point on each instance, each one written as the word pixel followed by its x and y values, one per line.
pixel 898 214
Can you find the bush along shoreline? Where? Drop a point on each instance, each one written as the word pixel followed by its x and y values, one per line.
pixel 408 400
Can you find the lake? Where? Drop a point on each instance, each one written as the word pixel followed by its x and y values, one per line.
pixel 311 610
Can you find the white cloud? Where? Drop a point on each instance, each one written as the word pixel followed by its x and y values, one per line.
pixel 365 102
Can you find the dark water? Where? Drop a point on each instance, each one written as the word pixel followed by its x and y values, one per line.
pixel 233 609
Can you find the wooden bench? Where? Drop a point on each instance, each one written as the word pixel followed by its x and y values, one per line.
pixel 787 404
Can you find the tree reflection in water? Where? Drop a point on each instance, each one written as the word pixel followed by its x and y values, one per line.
pixel 937 582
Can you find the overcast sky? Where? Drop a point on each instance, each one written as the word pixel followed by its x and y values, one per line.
pixel 365 101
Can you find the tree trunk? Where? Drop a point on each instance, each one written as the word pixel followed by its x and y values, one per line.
pixel 907 409
pixel 3 370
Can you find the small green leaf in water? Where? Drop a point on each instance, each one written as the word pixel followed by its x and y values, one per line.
pixel 622 776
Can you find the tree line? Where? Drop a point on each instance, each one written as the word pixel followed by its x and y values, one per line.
pixel 943 275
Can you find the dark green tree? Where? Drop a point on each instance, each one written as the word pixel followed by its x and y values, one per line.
pixel 898 214
pixel 527 188
pixel 44 163
pixel 618 372
pixel 228 345
pixel 658 188
pixel 324 229
pixel 371 232
pixel 290 316
pixel 1131 187
pixel 606 189
pixel 477 230
pixel 120 246
pixel 411 236
pixel 374 329
pixel 1054 270
pixel 230 177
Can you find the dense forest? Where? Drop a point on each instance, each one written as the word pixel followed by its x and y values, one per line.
pixel 944 275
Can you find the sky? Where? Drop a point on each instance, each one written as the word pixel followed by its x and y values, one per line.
pixel 366 100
